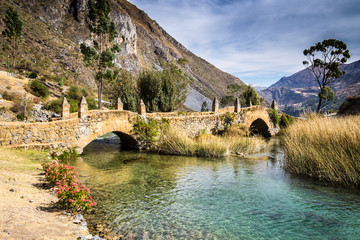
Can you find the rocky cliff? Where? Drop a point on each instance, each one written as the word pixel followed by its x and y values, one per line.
pixel 54 29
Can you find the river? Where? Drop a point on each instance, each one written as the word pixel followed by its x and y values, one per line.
pixel 150 196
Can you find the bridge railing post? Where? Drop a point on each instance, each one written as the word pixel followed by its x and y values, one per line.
pixel 65 112
pixel 274 104
pixel 119 105
pixel 215 105
pixel 83 108
pixel 237 105
pixel 142 108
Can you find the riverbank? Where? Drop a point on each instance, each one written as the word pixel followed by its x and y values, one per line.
pixel 325 148
pixel 28 210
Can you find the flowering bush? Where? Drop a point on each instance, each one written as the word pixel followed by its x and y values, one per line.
pixel 71 192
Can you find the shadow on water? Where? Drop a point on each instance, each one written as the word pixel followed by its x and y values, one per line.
pixel 150 196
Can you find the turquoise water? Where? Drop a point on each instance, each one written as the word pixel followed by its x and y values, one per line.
pixel 148 196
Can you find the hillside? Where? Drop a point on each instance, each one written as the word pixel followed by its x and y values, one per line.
pixel 53 31
pixel 300 90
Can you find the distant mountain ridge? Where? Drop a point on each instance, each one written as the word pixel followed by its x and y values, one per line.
pixel 300 90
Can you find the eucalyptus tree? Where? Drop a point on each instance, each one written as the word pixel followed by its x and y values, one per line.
pixel 101 54
pixel 324 59
pixel 13 30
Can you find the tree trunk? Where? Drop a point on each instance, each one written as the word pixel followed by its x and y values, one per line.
pixel 14 51
pixel 99 94
pixel 319 105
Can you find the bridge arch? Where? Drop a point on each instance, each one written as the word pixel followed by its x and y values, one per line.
pixel 127 141
pixel 259 127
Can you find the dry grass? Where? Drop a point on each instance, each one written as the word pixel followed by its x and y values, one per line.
pixel 175 141
pixel 325 148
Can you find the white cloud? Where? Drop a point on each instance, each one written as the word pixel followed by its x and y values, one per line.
pixel 259 40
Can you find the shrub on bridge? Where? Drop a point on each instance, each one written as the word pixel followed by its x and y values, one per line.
pixel 274 116
pixel 147 130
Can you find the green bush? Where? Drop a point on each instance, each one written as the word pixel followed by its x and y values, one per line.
pixel 39 89
pixel 54 105
pixel 76 93
pixel 227 120
pixel 92 103
pixel 74 105
pixel 285 120
pixel 147 131
pixel 165 90
pixel 274 116
pixel 32 75
pixel 124 87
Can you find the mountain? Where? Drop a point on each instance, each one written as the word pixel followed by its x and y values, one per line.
pixel 54 30
pixel 300 91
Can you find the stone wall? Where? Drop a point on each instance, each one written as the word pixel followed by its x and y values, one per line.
pixel 69 133
pixel 75 132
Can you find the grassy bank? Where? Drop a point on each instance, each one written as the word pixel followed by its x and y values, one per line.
pixel 325 148
pixel 176 141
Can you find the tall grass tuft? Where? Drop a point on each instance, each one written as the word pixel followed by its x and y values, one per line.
pixel 175 141
pixel 324 148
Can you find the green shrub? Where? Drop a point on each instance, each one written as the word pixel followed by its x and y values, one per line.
pixel 76 93
pixel 39 89
pixel 32 75
pixel 66 156
pixel 274 116
pixel 227 120
pixel 54 105
pixel 92 103
pixel 285 120
pixel 147 131
pixel 74 105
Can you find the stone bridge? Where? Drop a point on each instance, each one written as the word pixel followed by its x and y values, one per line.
pixel 79 129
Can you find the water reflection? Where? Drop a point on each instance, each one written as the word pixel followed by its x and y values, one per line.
pixel 148 196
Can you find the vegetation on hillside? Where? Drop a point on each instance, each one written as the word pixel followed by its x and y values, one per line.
pixel 13 31
pixel 324 148
pixel 101 55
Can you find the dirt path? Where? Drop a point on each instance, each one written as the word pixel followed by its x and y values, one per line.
pixel 27 210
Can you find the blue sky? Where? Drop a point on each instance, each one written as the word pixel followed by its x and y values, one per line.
pixel 258 41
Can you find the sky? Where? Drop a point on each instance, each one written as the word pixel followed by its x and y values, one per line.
pixel 258 41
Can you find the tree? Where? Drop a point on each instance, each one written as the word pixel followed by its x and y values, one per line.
pixel 13 31
pixel 250 95
pixel 204 107
pixel 324 59
pixel 124 87
pixel 102 54
pixel 163 90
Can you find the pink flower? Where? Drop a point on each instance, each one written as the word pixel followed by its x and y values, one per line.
pixel 70 200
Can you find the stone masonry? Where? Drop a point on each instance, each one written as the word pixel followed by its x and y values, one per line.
pixel 77 131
